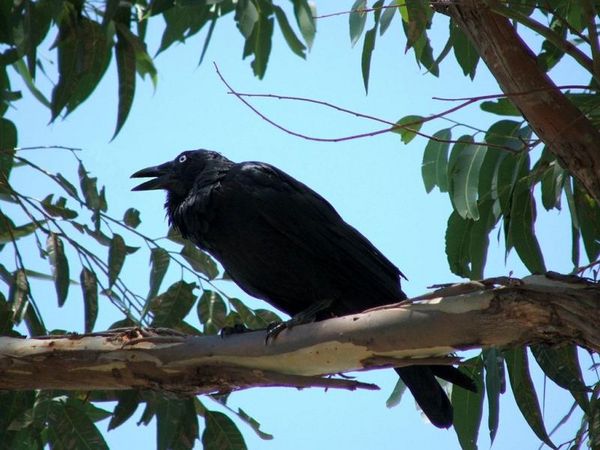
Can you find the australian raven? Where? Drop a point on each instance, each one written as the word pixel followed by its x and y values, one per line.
pixel 282 242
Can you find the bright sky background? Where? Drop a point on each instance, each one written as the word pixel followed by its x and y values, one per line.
pixel 374 183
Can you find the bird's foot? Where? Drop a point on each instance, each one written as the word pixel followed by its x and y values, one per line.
pixel 307 316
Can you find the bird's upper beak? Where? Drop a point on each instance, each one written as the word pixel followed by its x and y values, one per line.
pixel 162 178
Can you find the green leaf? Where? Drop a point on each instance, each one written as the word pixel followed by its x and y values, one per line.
pixel 552 185
pixel 293 42
pixel 8 140
pixel 521 233
pixel 357 20
pixel 8 230
pixel 18 295
pixel 69 427
pixel 89 287
pixel 159 263
pixel 247 316
pixel 396 395
pixel 22 70
pixel 14 405
pixel 463 173
pixel 116 258
pixel 494 380
pixel 368 46
pixel 254 424
pixel 561 365
pixel 479 239
pixel 58 209
pixel 220 433
pixel 212 312
pixel 387 16
pixel 246 16
pixel 465 53
pixel 435 161
pixel 468 406
pixel 128 403
pixel 132 218
pixel 60 266
pixel 83 57
pixel 199 260
pixel 458 233
pixel 588 218
pixel 171 307
pixel 524 392
pixel 89 188
pixel 176 424
pixel 126 65
pixel 305 18
pixel 500 107
pixel 408 127
pixel 263 31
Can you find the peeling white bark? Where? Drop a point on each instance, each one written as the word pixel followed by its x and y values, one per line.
pixel 424 331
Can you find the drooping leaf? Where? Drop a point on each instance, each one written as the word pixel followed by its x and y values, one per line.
pixel 8 141
pixel 290 37
pixel 494 381
pixel 159 263
pixel 199 260
pixel 435 161
pixel 561 365
pixel 357 20
pixel 465 163
pixel 212 312
pixel 172 306
pixel 220 433
pixel 176 424
pixel 479 239
pixel 552 186
pixel 305 18
pixel 367 51
pixel 69 427
pixel 60 266
pixel 521 233
pixel 125 408
pixel 8 230
pixel 588 217
pixel 464 51
pixel 408 127
pixel 246 17
pixel 524 392
pixel 89 286
pixel 396 395
pixel 388 14
pixel 458 232
pixel 126 65
pixel 468 406
pixel 263 31
pixel 89 188
pixel 254 424
pixel 116 257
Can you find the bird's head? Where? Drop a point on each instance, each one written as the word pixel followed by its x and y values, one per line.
pixel 179 175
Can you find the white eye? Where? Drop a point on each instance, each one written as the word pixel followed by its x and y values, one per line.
pixel 182 158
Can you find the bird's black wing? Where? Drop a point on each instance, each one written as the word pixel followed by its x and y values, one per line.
pixel 312 226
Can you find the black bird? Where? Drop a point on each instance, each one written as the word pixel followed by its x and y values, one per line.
pixel 282 242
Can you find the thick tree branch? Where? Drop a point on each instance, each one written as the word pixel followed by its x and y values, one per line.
pixel 422 331
pixel 569 135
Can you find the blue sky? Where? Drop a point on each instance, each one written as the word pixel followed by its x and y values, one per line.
pixel 374 183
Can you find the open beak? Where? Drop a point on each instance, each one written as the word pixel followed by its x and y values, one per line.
pixel 162 177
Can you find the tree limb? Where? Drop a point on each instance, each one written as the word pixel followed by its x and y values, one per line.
pixel 565 130
pixel 421 331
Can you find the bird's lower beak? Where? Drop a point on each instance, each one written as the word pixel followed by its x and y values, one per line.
pixel 161 181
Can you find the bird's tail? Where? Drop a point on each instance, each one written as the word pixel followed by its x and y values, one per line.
pixel 428 393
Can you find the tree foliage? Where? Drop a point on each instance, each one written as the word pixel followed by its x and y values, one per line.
pixel 496 178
